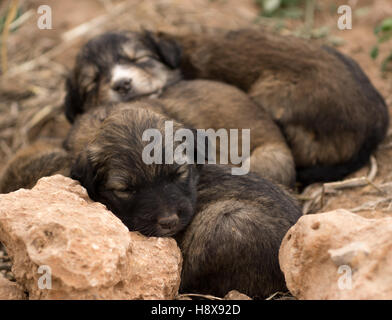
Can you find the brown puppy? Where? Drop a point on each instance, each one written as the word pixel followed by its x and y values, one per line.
pixel 222 245
pixel 330 113
pixel 119 67
pixel 210 104
pixel 234 238
pixel 113 59
pixel 43 158
pixel 106 145
pixel 229 237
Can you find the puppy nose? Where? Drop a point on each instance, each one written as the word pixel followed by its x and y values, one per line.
pixel 122 85
pixel 168 222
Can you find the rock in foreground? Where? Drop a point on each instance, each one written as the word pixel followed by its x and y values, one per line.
pixel 338 255
pixel 9 290
pixel 65 246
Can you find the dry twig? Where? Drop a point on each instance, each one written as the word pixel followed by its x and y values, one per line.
pixel 372 205
pixel 275 294
pixel 10 17
pixel 309 15
pixel 317 196
pixel 22 19
pixel 68 38
pixel 355 182
pixel 196 295
pixel 31 130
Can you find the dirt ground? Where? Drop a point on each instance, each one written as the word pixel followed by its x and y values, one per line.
pixel 32 90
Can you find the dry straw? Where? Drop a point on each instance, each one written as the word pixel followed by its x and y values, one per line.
pixel 4 38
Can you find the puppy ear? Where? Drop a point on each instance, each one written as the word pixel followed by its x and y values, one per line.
pixel 73 100
pixel 80 83
pixel 167 48
pixel 83 171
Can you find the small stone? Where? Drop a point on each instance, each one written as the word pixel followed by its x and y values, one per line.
pixel 10 290
pixel 235 295
pixel 338 255
pixel 65 246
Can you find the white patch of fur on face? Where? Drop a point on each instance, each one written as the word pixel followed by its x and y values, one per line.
pixel 142 82
pixel 121 72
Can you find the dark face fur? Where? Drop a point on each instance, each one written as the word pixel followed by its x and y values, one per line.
pixel 119 67
pixel 155 199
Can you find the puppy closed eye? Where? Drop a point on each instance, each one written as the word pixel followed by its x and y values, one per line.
pixel 140 59
pixel 182 173
pixel 124 193
pixel 144 58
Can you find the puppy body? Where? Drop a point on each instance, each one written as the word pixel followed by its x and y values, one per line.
pixel 233 241
pixel 229 227
pixel 330 113
pixel 209 104
pixel 198 104
pixel 43 158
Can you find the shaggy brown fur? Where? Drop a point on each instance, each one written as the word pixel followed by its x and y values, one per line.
pixel 42 158
pixel 199 104
pixel 118 67
pixel 234 238
pixel 330 113
pixel 106 146
pixel 238 221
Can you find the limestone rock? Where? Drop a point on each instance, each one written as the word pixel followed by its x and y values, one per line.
pixel 57 237
pixel 156 267
pixel 9 290
pixel 338 255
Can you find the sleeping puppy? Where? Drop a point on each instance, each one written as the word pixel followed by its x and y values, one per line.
pixel 211 104
pixel 45 157
pixel 150 67
pixel 229 228
pixel 119 67
pixel 330 113
pixel 106 148
pixel 234 238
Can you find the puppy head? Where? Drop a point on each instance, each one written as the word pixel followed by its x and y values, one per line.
pixel 119 67
pixel 154 199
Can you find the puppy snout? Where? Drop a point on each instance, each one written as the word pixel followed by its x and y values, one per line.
pixel 122 85
pixel 169 222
